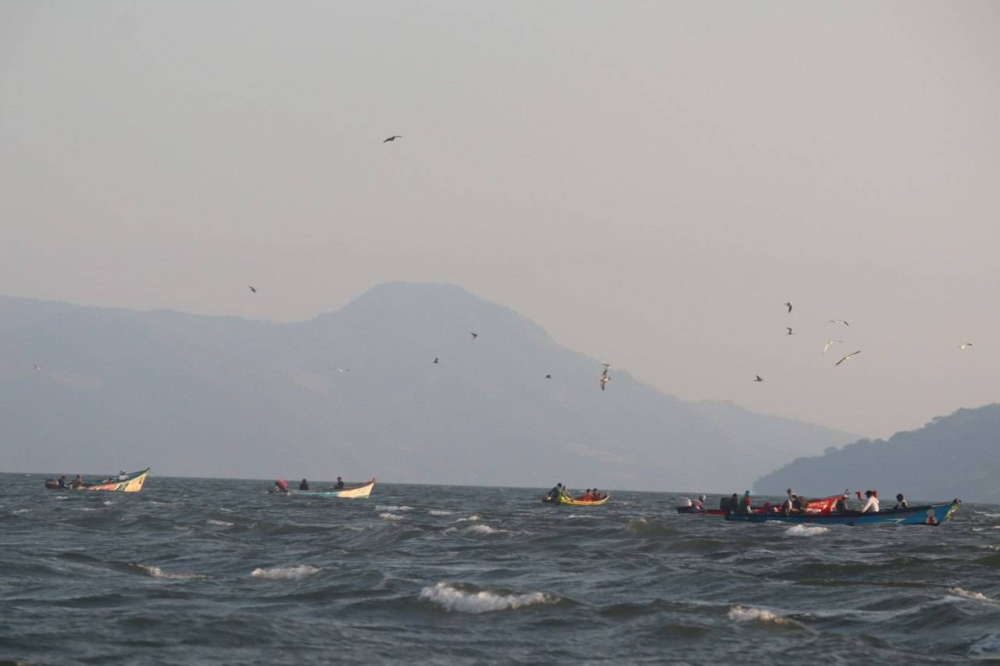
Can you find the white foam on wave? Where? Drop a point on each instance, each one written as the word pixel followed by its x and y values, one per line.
pixel 390 516
pixel 741 614
pixel 439 512
pixel 473 517
pixel 967 594
pixel 987 514
pixel 157 572
pixel 457 600
pixel 220 523
pixel 806 530
pixel 577 516
pixel 286 573
pixel 107 502
pixel 18 512
pixel 392 507
pixel 480 528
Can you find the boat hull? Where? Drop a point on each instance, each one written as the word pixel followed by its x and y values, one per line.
pixel 928 514
pixel 700 512
pixel 357 491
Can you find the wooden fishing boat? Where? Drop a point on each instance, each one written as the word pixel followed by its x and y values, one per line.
pixel 355 491
pixel 927 514
pixel 123 483
pixel 566 500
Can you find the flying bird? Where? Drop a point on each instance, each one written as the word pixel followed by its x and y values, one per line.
pixel 435 359
pixel 967 344
pixel 831 342
pixel 847 357
pixel 789 330
pixel 789 306
pixel 604 375
pixel 475 335
pixel 393 138
pixel 343 369
pixel 548 376
pixel 838 321
pixel 36 366
pixel 759 378
pixel 252 289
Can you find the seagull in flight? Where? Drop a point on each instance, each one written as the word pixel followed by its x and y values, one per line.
pixel 847 357
pixel 789 306
pixel 789 330
pixel 759 378
pixel 475 335
pixel 604 375
pixel 252 289
pixel 548 376
pixel 393 138
pixel 435 359
pixel 967 344
pixel 343 369
pixel 831 342
pixel 36 366
pixel 838 321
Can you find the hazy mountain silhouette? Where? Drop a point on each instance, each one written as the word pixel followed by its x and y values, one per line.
pixel 356 393
pixel 952 456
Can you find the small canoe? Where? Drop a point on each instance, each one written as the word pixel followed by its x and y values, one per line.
pixel 123 483
pixel 355 491
pixel 566 500
pixel 927 514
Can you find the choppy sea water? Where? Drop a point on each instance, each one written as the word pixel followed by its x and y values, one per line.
pixel 216 571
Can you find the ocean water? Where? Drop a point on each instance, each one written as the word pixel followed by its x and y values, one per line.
pixel 216 571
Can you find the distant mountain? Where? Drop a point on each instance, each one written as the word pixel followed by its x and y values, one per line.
pixel 952 456
pixel 356 393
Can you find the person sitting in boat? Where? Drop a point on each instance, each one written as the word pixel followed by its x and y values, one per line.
pixel 78 482
pixel 61 485
pixel 871 501
pixel 122 475
pixel 698 504
pixel 842 503
pixel 901 502
pixel 340 484
pixel 585 497
pixel 799 504
pixel 281 486
pixel 304 485
pixel 597 495
pixel 554 493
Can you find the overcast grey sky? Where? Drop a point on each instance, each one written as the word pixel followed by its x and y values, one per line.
pixel 649 181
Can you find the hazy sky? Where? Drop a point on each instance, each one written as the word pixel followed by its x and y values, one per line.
pixel 649 181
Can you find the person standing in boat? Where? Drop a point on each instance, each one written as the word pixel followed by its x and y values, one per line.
pixel 340 484
pixel 554 493
pixel 304 485
pixel 870 502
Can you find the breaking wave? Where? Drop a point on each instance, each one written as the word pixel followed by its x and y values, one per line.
pixel 286 573
pixel 455 599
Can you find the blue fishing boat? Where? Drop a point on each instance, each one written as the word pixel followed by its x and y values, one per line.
pixel 927 514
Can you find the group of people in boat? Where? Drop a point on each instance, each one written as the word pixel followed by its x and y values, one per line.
pixel 559 491
pixel 281 486
pixel 795 503
pixel 78 482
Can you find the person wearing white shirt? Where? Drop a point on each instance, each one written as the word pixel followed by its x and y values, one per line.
pixel 871 501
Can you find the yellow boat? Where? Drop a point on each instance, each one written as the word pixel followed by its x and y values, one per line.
pixel 123 483
pixel 566 499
